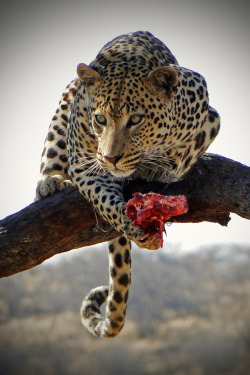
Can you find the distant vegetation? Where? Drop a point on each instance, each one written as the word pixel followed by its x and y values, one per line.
pixel 187 315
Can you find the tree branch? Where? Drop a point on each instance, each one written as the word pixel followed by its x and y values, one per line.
pixel 214 187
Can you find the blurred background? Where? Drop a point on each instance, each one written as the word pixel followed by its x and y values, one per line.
pixel 186 315
pixel 189 311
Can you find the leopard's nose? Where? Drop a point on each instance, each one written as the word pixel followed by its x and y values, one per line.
pixel 113 159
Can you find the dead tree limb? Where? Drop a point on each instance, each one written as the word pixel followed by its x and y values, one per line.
pixel 214 187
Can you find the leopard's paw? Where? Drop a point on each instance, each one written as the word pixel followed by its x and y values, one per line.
pixel 152 242
pixel 51 185
pixel 136 234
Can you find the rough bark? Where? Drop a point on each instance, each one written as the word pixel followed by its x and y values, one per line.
pixel 214 187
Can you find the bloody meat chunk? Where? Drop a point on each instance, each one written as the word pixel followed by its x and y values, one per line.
pixel 152 210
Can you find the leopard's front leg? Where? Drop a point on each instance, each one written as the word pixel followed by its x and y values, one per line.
pixel 106 195
pixel 54 163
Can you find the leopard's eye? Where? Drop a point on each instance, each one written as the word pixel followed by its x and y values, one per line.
pixel 135 120
pixel 100 120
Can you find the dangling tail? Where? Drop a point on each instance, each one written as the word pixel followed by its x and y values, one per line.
pixel 116 294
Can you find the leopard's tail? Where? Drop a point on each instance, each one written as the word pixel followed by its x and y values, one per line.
pixel 116 294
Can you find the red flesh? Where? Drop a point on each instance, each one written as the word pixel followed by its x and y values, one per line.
pixel 152 210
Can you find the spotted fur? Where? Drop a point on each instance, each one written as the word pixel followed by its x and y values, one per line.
pixel 133 112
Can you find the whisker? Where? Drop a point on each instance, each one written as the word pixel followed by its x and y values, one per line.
pixel 158 164
pixel 87 154
pixel 94 167
pixel 84 164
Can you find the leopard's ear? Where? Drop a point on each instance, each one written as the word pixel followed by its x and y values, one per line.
pixel 88 75
pixel 162 81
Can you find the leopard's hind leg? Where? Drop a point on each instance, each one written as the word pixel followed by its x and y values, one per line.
pixel 116 294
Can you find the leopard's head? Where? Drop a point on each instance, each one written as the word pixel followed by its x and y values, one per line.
pixel 129 114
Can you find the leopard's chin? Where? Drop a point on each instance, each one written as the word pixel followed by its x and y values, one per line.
pixel 121 174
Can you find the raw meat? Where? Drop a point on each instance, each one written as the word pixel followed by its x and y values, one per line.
pixel 152 210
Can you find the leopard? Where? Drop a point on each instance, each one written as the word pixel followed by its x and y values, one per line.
pixel 133 112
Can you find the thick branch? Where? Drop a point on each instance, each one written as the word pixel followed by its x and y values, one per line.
pixel 214 187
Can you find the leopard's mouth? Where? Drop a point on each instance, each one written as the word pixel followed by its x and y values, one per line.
pixel 115 170
pixel 120 173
